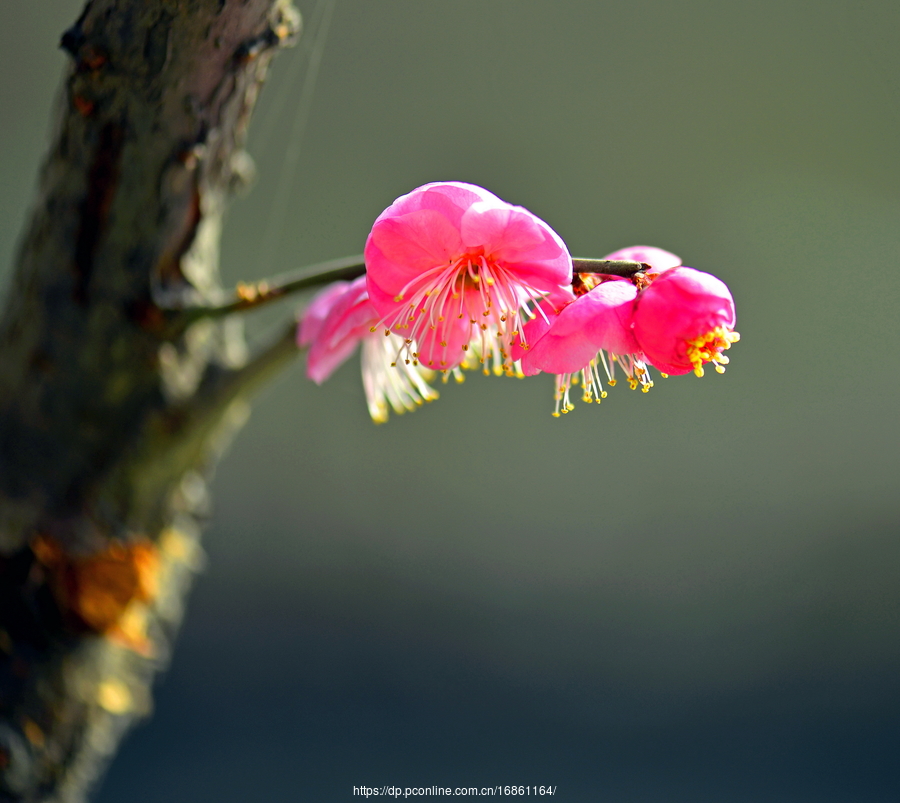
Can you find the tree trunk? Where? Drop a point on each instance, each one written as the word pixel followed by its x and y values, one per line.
pixel 112 408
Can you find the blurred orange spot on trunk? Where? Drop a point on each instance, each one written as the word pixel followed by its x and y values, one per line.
pixel 104 592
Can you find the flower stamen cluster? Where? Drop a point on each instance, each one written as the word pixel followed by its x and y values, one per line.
pixel 709 348
pixel 635 370
pixel 473 288
pixel 400 386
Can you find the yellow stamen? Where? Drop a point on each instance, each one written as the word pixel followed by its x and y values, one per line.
pixel 709 347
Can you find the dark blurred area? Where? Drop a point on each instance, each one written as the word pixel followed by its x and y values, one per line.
pixel 686 595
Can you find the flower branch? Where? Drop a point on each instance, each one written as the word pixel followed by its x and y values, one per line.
pixel 609 267
pixel 252 295
pixel 192 420
pixel 229 385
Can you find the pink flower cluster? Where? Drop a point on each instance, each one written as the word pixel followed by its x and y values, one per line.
pixel 672 317
pixel 456 277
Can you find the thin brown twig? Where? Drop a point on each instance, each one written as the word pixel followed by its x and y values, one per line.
pixel 252 295
pixel 609 267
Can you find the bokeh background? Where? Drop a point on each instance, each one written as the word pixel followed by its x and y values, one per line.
pixel 686 595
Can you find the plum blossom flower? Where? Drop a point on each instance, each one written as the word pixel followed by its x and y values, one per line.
pixel 587 337
pixel 684 319
pixel 339 318
pixel 450 267
pixel 591 332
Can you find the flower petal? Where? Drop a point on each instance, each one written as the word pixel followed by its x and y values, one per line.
pixel 348 322
pixel 598 320
pixel 402 246
pixel 519 241
pixel 546 312
pixel 608 317
pixel 315 314
pixel 449 198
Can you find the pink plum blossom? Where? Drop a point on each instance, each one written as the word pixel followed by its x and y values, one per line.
pixel 683 319
pixel 339 318
pixel 598 319
pixel 451 268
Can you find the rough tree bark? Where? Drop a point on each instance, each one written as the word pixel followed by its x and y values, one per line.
pixel 114 402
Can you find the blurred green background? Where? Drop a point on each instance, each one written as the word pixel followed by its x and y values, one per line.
pixel 686 595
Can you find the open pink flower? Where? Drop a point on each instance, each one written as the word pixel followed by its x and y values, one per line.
pixel 684 319
pixel 341 317
pixel 450 266
pixel 569 338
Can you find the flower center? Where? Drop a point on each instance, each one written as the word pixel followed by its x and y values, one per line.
pixel 709 348
pixel 472 293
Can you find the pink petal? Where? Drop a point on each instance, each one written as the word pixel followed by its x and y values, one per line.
pixel 559 297
pixel 535 328
pixel 318 309
pixel 381 298
pixel 597 320
pixel 450 198
pixel 400 247
pixel 322 362
pixel 555 354
pixel 521 242
pixel 348 322
pixel 531 334
pixel 609 317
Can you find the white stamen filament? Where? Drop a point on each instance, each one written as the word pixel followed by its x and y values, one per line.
pixel 427 306
pixel 388 379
